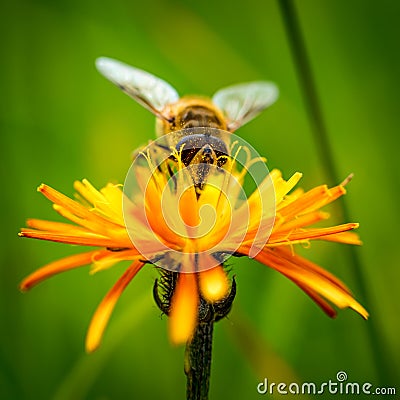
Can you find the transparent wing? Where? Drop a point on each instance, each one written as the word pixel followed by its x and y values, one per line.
pixel 151 92
pixel 241 103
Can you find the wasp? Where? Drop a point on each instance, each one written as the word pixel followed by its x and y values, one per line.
pixel 227 110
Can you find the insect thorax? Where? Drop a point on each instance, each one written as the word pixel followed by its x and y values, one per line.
pixel 191 113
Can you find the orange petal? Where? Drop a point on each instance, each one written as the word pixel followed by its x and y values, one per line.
pixel 324 305
pixel 102 315
pixel 155 211
pixel 312 200
pixel 113 257
pixel 188 207
pixel 58 266
pixel 312 280
pixel 75 211
pixel 53 226
pixel 92 222
pixel 213 284
pixel 302 262
pixel 300 222
pixel 331 195
pixel 307 234
pixel 183 317
pixel 84 239
pixel 64 201
pixel 344 237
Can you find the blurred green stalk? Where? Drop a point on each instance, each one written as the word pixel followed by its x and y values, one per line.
pixel 320 133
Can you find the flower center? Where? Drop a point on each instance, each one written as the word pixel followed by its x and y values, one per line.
pixel 191 216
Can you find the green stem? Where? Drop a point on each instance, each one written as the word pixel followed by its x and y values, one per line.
pixel 199 349
pixel 304 71
pixel 198 362
pixel 301 60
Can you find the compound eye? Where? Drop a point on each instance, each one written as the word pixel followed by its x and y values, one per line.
pixel 187 154
pixel 172 122
pixel 189 146
pixel 222 158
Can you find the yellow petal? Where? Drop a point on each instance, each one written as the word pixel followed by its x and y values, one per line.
pixel 115 197
pixel 89 192
pixel 56 267
pixel 213 284
pixel 282 188
pixel 107 201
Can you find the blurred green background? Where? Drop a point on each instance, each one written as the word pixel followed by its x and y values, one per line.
pixel 61 121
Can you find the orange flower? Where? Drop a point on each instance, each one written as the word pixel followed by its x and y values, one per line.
pixel 186 229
